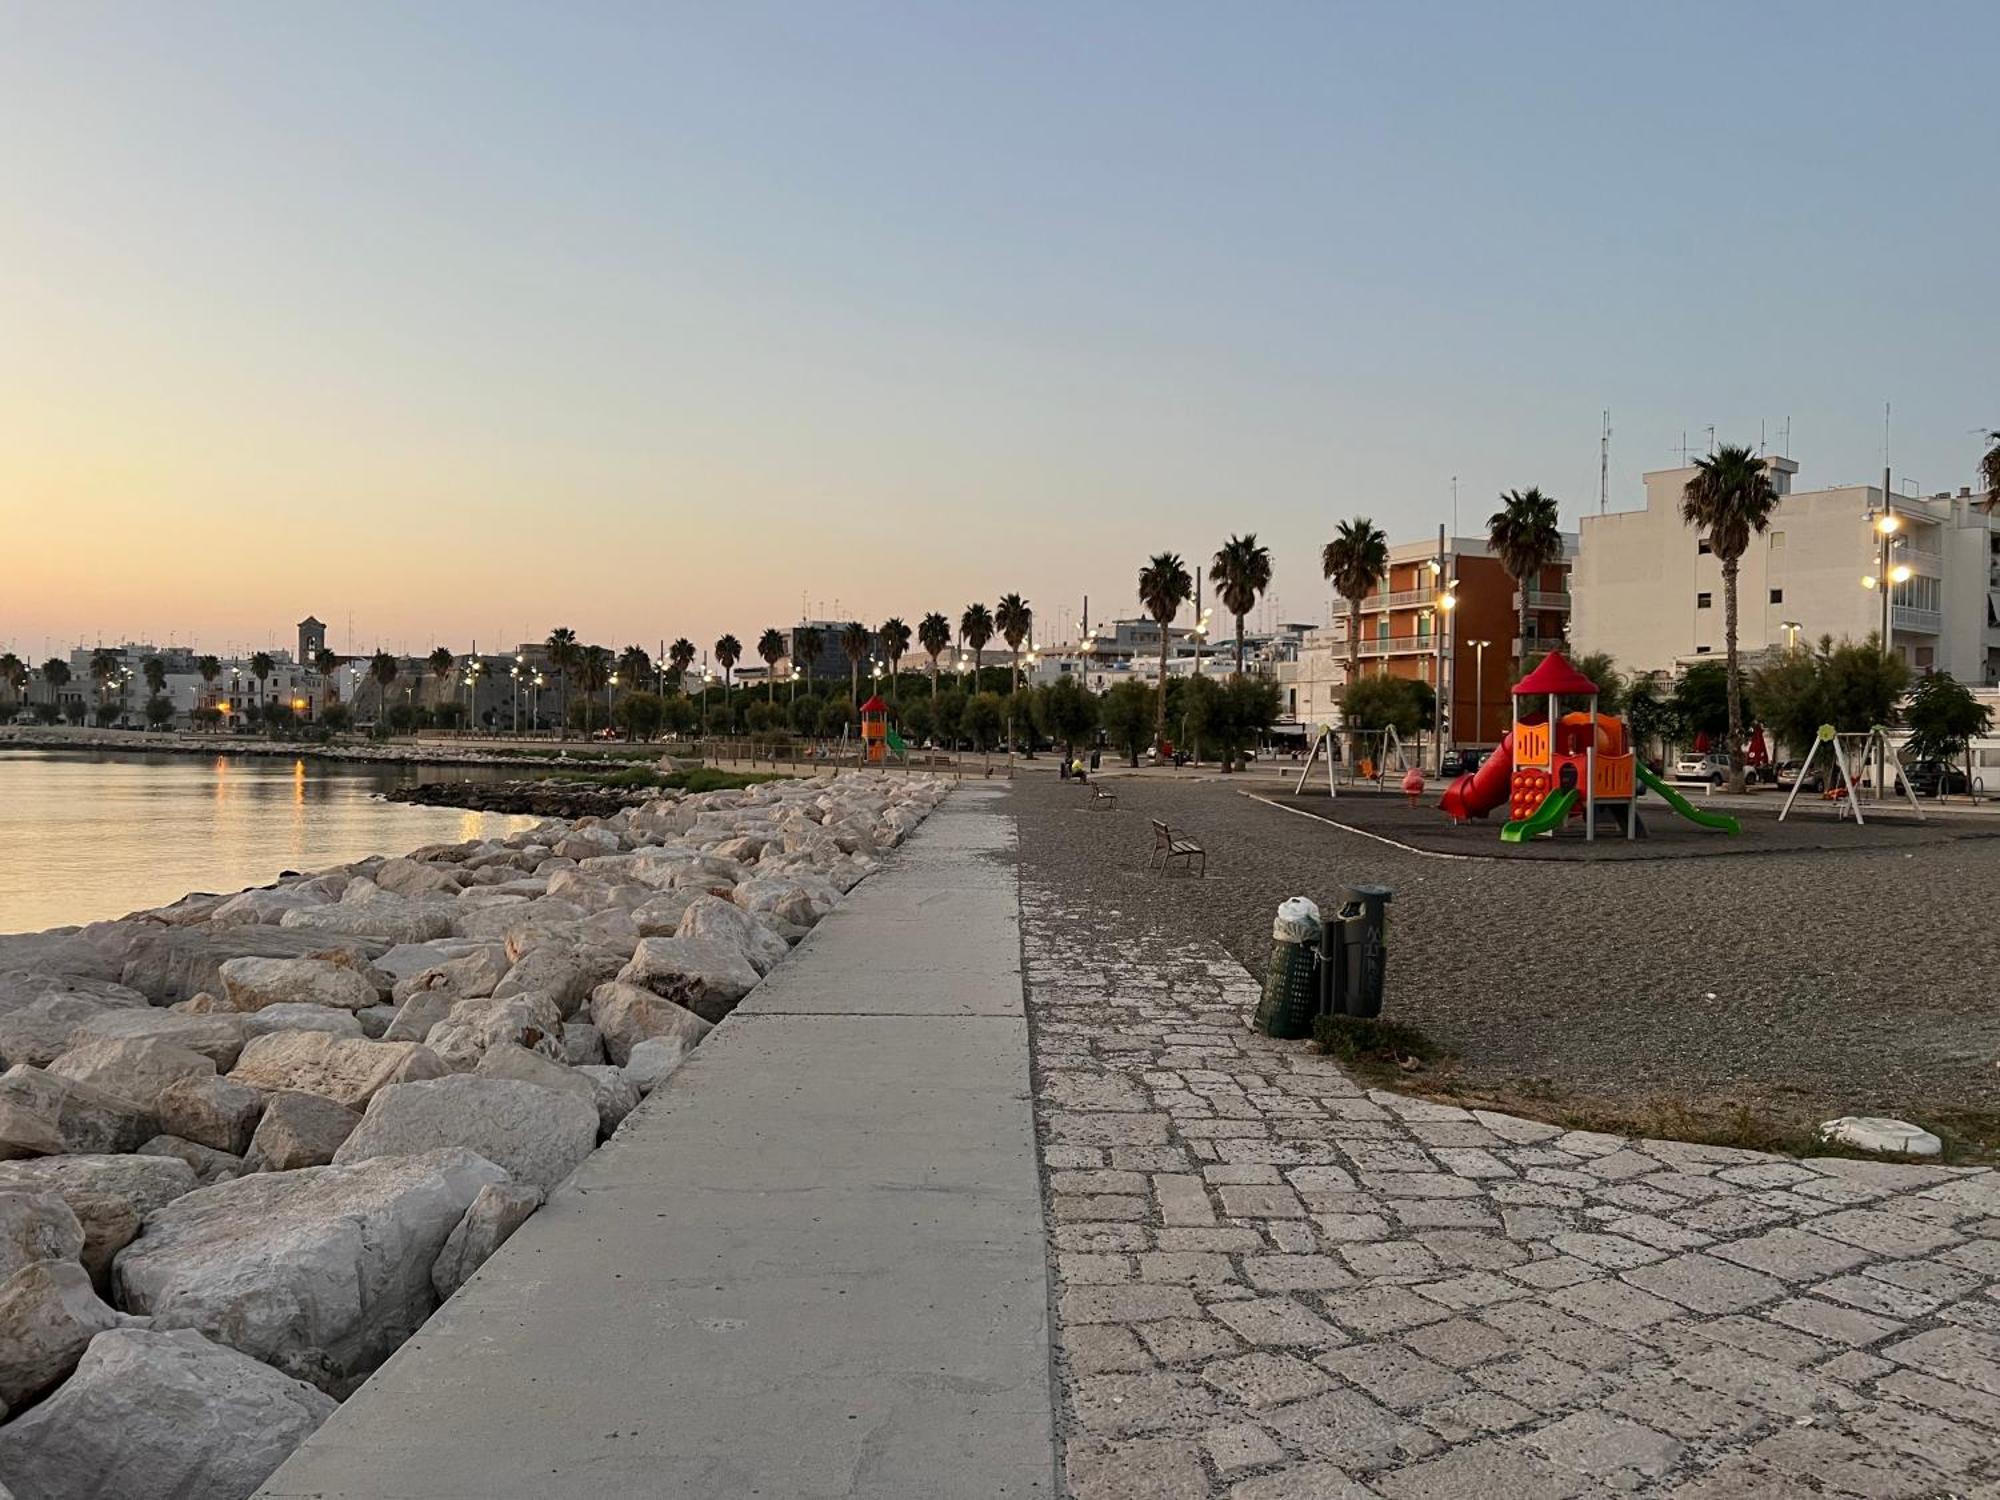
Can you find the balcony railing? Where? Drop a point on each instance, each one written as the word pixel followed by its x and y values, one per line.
pixel 1399 645
pixel 1543 599
pixel 1919 621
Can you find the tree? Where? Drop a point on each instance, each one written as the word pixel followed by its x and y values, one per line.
pixel 1526 535
pixel 635 668
pixel 854 644
pixel 1944 719
pixel 919 720
pixel 680 656
pixel 1731 499
pixel 949 710
pixel 441 661
pixel 1233 714
pixel 934 635
pixel 1377 703
pixel 1127 714
pixel 1065 712
pixel 1989 471
pixel 261 667
pixel 155 672
pixel 1354 562
pixel 208 668
pixel 1015 620
pixel 278 716
pixel 835 714
pixel 1790 693
pixel 1701 699
pixel 326 662
pixel 975 628
pixel 563 656
pixel 895 643
pixel 336 717
pixel 771 651
pixel 1863 684
pixel 382 671
pixel 104 665
pixel 728 652
pixel 640 714
pixel 593 675
pixel 56 673
pixel 985 717
pixel 1164 586
pixel 1649 716
pixel 1240 571
pixel 159 710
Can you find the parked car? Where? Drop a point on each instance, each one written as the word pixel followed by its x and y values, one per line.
pixel 1787 772
pixel 1933 778
pixel 1710 767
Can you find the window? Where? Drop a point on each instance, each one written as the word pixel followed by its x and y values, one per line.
pixel 1702 548
pixel 1777 539
pixel 1703 650
pixel 1703 601
pixel 1777 596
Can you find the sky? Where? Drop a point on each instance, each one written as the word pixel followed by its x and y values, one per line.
pixel 454 322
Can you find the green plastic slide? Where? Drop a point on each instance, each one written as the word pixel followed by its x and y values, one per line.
pixel 897 745
pixel 1721 822
pixel 1544 819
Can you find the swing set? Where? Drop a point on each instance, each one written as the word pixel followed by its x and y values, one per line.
pixel 1374 767
pixel 1843 754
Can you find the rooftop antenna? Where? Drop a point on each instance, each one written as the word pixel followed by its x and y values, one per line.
pixel 1711 440
pixel 1603 466
pixel 1788 437
pixel 1885 439
pixel 1454 505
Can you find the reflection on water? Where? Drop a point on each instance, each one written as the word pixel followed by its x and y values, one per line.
pixel 86 835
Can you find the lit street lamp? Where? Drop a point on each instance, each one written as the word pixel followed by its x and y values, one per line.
pixel 1479 691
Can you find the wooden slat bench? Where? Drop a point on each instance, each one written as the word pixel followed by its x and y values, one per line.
pixel 1167 848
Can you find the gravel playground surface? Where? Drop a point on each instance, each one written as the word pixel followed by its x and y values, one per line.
pixel 1798 982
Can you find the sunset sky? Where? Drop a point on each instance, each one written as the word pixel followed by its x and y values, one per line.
pixel 449 321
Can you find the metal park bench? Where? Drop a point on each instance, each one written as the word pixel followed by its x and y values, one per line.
pixel 1101 798
pixel 1167 849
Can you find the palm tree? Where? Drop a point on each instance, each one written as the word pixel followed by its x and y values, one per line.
pixel 976 626
pixel 13 673
pixel 104 665
pixel 261 667
pixel 635 668
pixel 1240 571
pixel 382 670
pixel 1354 563
pixel 1525 536
pixel 805 651
pixel 593 675
pixel 1730 498
pixel 1989 471
pixel 854 642
pixel 209 668
pixel 771 651
pixel 326 662
pixel 56 673
pixel 895 641
pixel 934 635
pixel 441 661
pixel 563 656
pixel 1165 585
pixel 155 672
pixel 728 651
pixel 680 656
pixel 1016 620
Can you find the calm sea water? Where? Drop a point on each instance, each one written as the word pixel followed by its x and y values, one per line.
pixel 85 836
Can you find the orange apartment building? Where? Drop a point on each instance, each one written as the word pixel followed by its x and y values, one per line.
pixel 1399 635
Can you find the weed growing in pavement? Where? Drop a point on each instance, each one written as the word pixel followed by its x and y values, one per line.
pixel 1374 1048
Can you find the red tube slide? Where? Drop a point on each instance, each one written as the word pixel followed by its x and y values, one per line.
pixel 1477 794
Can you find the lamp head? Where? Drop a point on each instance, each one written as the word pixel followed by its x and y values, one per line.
pixel 1887 522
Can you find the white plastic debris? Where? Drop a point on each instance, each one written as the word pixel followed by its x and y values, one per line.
pixel 1874 1133
pixel 1298 921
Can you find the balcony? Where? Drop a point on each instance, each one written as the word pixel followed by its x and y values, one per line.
pixel 1374 604
pixel 1543 599
pixel 1400 645
pixel 1916 621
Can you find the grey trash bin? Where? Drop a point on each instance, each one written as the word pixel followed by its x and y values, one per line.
pixel 1291 983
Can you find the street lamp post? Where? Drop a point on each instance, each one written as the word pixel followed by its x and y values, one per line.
pixel 1884 581
pixel 1447 601
pixel 1479 691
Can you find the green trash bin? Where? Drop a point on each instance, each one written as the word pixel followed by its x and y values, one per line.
pixel 1291 983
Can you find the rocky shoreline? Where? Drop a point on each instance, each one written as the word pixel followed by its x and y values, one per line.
pixel 391 752
pixel 250 1142
pixel 542 798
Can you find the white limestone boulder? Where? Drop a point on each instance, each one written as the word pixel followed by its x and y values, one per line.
pixel 218 1037
pixel 266 907
pixel 298 1129
pixel 615 1095
pixel 301 1017
pixel 706 976
pixel 346 1070
pixel 137 1068
pixel 499 1210
pixel 471 1026
pixel 49 1313
pixel 250 984
pixel 539 1135
pixel 390 918
pixel 653 1061
pixel 209 1165
pixel 159 1416
pixel 627 1014
pixel 36 1226
pixel 409 877
pixel 712 919
pixel 84 1118
pixel 506 1060
pixel 219 1113
pixel 109 1194
pixel 320 1273
pixel 582 1043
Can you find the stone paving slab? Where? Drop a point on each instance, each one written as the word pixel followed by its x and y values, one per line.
pixel 812 1265
pixel 1274 1284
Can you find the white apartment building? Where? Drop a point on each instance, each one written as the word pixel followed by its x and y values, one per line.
pixel 1648 591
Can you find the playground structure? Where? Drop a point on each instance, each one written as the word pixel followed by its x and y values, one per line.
pixel 1375 749
pixel 1845 752
pixel 874 731
pixel 1553 766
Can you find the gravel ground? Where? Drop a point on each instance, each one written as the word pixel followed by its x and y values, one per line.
pixel 1803 983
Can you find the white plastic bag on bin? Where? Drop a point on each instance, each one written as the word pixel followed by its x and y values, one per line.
pixel 1298 922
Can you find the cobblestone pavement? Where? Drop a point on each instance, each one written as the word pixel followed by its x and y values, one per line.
pixel 1272 1284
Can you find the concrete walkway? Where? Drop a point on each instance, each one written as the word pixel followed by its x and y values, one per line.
pixel 812 1265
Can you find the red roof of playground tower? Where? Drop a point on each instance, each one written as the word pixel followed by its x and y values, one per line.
pixel 875 705
pixel 1554 674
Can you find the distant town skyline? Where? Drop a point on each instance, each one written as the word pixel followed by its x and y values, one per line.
pixel 471 321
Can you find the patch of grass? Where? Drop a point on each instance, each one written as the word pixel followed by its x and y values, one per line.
pixel 1374 1050
pixel 709 779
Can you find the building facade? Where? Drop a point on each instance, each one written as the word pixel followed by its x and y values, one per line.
pixel 1649 591
pixel 1467 653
